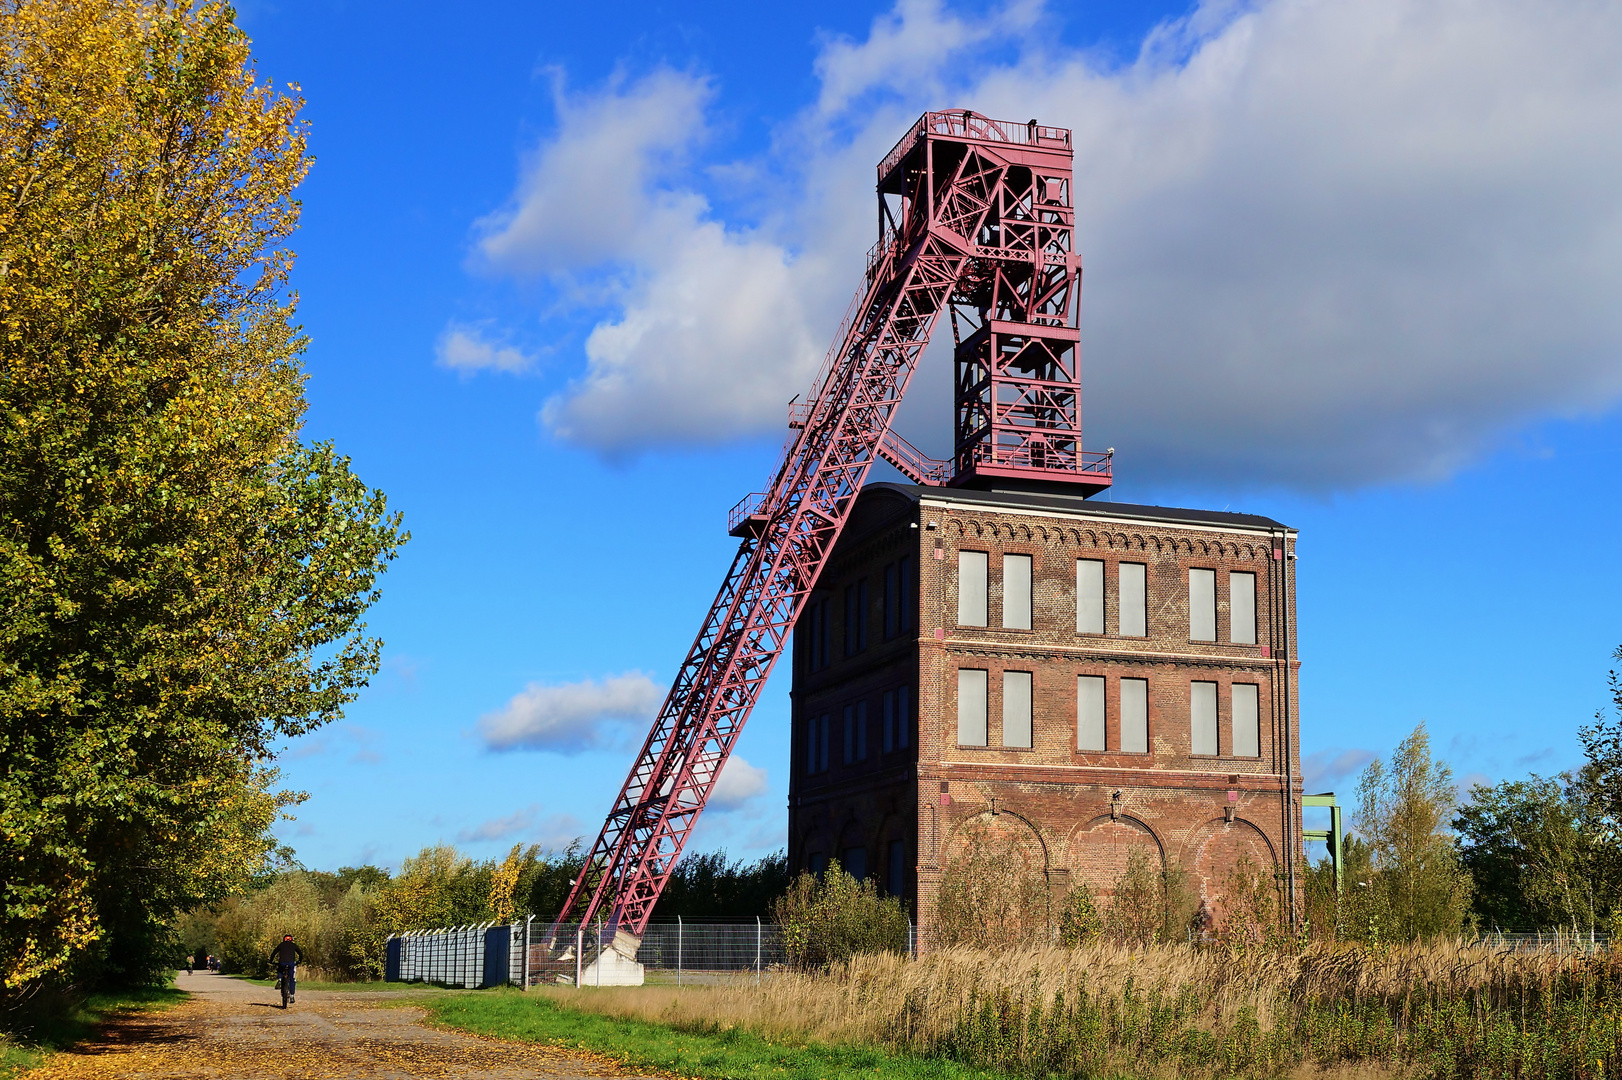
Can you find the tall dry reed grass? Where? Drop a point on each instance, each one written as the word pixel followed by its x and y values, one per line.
pixel 1446 1010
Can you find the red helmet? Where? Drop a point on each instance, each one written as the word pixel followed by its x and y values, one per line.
pixel 287 937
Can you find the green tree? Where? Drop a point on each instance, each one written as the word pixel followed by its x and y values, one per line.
pixel 1533 858
pixel 708 885
pixel 1416 887
pixel 182 579
pixel 1599 782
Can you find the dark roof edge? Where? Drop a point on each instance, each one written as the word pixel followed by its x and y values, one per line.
pixel 1091 507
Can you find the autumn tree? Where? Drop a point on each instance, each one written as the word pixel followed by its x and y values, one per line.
pixel 1413 887
pixel 183 579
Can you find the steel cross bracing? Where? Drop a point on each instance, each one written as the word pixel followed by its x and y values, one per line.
pixel 955 182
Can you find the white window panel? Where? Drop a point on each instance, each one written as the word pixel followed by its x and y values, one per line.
pixel 1016 592
pixel 1089 712
pixel 1242 608
pixel 1202 605
pixel 971 707
pixel 1134 613
pixel 1202 718
pixel 1135 716
pixel 1016 708
pixel 1089 596
pixel 1247 740
pixel 971 588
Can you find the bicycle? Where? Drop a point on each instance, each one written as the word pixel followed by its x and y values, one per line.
pixel 285 983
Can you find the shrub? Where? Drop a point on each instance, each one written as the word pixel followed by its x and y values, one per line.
pixel 993 892
pixel 837 917
pixel 1079 919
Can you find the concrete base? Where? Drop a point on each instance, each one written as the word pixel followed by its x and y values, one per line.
pixel 612 969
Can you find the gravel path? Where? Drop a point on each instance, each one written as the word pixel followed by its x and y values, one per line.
pixel 234 1030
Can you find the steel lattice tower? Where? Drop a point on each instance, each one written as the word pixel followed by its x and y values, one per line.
pixel 975 218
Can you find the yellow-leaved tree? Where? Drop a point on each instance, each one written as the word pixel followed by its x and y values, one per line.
pixel 182 578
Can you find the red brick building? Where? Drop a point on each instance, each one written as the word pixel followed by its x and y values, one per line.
pixel 1094 676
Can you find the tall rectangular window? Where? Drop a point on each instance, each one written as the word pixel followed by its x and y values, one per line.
pixel 896 881
pixel 1090 712
pixel 1089 596
pixel 861 731
pixel 855 862
pixel 850 735
pixel 1016 708
pixel 810 624
pixel 816 749
pixel 1135 716
pixel 856 617
pixel 1016 592
pixel 1247 740
pixel 903 717
pixel 971 707
pixel 892 602
pixel 907 572
pixel 971 588
pixel 1202 718
pixel 1202 605
pixel 1242 608
pixel 1134 600
pixel 820 634
pixel 897 721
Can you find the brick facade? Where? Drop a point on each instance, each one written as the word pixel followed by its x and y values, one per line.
pixel 1080 812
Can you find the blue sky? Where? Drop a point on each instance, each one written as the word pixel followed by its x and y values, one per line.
pixel 1351 265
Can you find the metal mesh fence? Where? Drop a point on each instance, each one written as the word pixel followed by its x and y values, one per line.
pixel 681 951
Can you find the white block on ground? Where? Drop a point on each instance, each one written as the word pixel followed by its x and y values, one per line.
pixel 611 969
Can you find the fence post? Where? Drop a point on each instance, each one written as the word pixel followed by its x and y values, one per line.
pixel 757 950
pixel 579 944
pixel 678 950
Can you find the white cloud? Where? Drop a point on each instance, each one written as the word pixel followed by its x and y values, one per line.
pixel 465 349
pixel 572 717
pixel 739 783
pixel 1333 768
pixel 551 831
pixel 1328 242
pixel 588 192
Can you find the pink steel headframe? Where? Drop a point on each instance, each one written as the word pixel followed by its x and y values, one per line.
pixel 975 216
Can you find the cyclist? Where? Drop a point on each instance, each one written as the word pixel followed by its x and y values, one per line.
pixel 286 956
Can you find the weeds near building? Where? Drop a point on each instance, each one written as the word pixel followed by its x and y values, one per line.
pixel 993 892
pixel 830 919
pixel 1444 1010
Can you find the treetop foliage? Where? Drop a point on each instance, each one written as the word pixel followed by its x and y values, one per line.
pixel 183 578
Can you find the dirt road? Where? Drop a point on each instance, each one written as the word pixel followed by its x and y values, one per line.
pixel 232 1030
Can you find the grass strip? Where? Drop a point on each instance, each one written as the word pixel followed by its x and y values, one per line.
pixel 63 1023
pixel 712 1054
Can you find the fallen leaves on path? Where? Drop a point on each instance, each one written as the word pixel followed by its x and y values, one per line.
pixel 329 1038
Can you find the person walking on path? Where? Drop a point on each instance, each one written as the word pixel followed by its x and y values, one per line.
pixel 190 961
pixel 286 957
